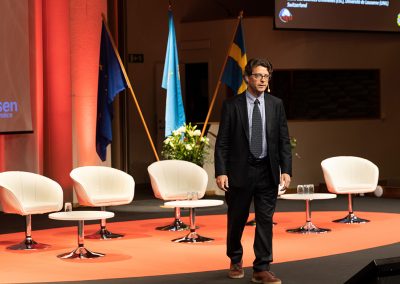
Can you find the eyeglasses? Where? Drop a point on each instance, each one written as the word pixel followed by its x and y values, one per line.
pixel 259 76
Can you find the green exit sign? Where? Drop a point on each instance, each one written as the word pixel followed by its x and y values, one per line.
pixel 135 57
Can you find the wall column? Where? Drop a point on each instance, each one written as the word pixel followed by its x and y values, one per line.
pixel 85 25
pixel 57 94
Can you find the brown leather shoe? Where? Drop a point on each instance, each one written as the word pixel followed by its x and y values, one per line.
pixel 236 270
pixel 265 277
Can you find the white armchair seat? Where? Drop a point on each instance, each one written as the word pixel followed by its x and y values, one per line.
pixel 182 196
pixel 26 193
pixel 36 207
pixel 173 180
pixel 99 186
pixel 350 175
pixel 110 200
pixel 354 188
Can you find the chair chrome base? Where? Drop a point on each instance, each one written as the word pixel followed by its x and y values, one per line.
pixel 81 252
pixel 104 234
pixel 176 226
pixel 28 244
pixel 308 228
pixel 192 237
pixel 251 223
pixel 351 219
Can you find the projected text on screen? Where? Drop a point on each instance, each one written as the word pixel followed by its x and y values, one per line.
pixel 7 109
pixel 353 15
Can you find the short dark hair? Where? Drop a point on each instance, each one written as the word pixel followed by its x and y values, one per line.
pixel 255 62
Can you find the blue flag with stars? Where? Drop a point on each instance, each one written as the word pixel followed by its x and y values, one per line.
pixel 111 82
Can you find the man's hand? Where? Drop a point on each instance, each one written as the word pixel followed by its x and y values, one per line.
pixel 222 182
pixel 285 180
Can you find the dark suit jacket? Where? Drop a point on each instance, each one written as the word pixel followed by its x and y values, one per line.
pixel 232 146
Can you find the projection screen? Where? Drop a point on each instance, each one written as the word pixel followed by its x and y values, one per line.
pixel 15 104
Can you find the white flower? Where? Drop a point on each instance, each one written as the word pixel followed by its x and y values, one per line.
pixel 188 147
pixel 181 129
pixel 204 139
pixel 197 133
pixel 167 140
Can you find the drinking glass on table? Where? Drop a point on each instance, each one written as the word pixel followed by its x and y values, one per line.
pixel 300 189
pixel 310 188
pixel 68 207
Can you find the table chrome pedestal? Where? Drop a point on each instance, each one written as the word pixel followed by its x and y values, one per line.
pixel 308 227
pixel 193 237
pixel 80 216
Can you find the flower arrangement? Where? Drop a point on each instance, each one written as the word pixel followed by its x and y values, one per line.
pixel 185 144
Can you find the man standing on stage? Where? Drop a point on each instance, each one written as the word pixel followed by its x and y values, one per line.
pixel 252 156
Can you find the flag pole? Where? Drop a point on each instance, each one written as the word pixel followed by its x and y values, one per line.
pixel 220 76
pixel 130 88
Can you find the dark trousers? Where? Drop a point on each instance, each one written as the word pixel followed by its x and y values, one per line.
pixel 264 192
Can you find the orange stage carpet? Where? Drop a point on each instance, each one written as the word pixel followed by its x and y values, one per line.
pixel 145 251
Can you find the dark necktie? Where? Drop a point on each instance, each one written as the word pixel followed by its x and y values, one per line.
pixel 256 131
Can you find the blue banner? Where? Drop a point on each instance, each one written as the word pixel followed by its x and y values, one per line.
pixel 174 111
pixel 111 82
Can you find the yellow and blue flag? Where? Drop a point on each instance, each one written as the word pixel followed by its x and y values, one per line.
pixel 111 82
pixel 237 60
pixel 174 111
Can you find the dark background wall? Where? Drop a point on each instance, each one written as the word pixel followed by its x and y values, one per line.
pixel 204 30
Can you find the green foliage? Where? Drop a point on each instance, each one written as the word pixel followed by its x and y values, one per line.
pixel 185 144
pixel 293 142
pixel 293 145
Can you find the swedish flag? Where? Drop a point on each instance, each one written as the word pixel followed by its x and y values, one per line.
pixel 237 60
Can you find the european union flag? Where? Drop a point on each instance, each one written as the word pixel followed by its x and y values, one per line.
pixel 237 60
pixel 174 112
pixel 111 82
